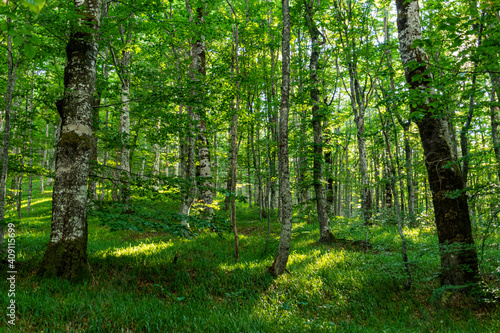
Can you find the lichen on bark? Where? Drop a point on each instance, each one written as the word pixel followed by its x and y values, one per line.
pixel 66 253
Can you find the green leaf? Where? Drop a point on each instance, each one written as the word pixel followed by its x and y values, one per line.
pixel 35 40
pixel 17 40
pixel 29 50
pixel 34 5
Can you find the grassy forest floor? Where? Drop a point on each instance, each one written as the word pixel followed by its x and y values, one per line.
pixel 137 285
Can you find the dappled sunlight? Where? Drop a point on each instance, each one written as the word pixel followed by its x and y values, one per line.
pixel 146 249
pixel 328 260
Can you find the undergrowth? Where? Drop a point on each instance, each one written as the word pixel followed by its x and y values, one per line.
pixel 150 279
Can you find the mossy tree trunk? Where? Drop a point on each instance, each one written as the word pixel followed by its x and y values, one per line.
pixel 325 233
pixel 459 265
pixel 66 254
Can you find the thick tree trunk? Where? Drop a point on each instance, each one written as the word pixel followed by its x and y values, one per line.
pixel 279 264
pixel 197 74
pixel 325 232
pixel 66 254
pixel 459 265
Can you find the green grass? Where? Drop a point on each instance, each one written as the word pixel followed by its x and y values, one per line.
pixel 136 286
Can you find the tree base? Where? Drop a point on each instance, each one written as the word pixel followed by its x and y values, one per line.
pixel 329 238
pixel 67 260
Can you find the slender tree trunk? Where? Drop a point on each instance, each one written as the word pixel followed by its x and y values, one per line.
pixel 30 182
pixel 495 118
pixel 190 172
pixel 125 128
pixel 464 140
pixel 326 235
pixel 156 165
pixel 216 165
pixel 44 159
pixel 397 203
pixel 280 261
pixel 459 264
pixel 18 184
pixel 273 124
pixel 66 254
pixel 249 174
pixel 11 83
pixel 256 167
pixel 409 176
pixel 105 159
pixel 234 137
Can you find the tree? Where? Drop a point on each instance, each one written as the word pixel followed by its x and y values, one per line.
pixel 318 116
pixel 279 264
pixel 66 253
pixel 459 265
pixel 11 83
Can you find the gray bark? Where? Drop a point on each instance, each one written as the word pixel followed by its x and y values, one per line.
pixel 66 254
pixel 325 233
pixel 281 259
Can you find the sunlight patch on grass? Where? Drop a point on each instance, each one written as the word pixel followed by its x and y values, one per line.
pixel 141 249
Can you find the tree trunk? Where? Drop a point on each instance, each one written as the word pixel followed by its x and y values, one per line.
pixel 397 203
pixel 30 181
pixel 406 129
pixel 495 118
pixel 66 254
pixel 459 265
pixel 44 159
pixel 197 74
pixel 105 159
pixel 125 128
pixel 279 264
pixel 326 235
pixel 249 174
pixel 234 137
pixel 19 184
pixel 11 83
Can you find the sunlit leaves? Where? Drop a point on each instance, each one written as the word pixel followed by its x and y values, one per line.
pixel 34 5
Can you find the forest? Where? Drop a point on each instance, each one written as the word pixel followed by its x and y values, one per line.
pixel 250 166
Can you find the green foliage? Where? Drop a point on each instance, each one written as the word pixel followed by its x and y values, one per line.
pixel 144 216
pixel 154 281
pixel 34 5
